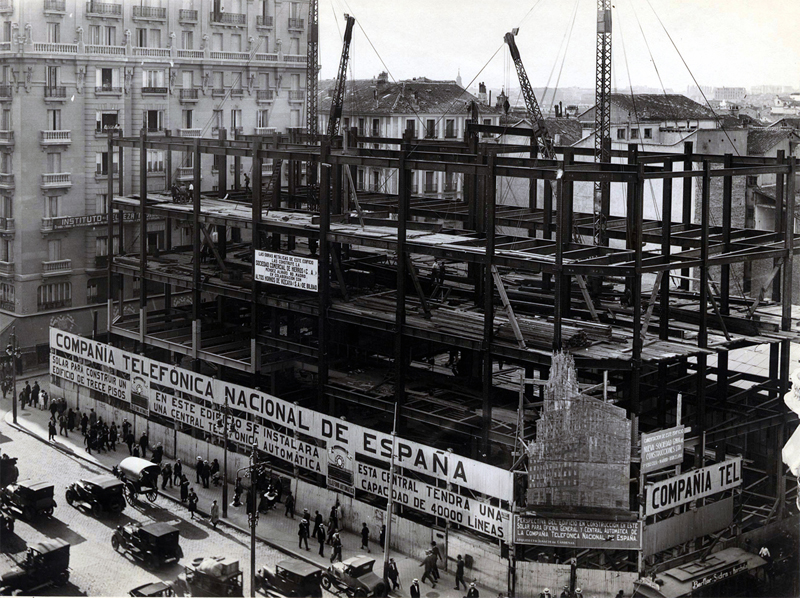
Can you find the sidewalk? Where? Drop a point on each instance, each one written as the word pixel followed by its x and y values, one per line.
pixel 274 529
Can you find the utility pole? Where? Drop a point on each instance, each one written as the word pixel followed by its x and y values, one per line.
pixel 389 501
pixel 12 350
pixel 252 472
pixel 225 464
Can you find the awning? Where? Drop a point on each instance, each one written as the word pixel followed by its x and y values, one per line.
pixel 696 575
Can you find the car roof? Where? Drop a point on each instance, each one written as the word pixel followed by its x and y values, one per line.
pixel 152 589
pixel 135 465
pixel 49 545
pixel 104 481
pixel 298 567
pixel 357 561
pixel 159 529
pixel 31 485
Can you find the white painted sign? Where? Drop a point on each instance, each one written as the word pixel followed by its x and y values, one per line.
pixel 699 483
pixel 286 270
pixel 662 449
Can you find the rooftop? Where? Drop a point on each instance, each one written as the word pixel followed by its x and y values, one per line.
pixel 656 107
pixel 760 141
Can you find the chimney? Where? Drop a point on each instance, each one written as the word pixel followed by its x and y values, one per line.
pixel 482 93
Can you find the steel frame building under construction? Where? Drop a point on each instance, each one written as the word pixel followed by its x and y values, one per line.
pixel 441 306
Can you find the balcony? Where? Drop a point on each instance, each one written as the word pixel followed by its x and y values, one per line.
pixel 6 138
pixel 103 9
pixel 6 268
pixel 6 8
pixel 48 48
pixel 187 16
pixel 230 56
pixel 237 92
pixel 58 304
pixel 107 90
pixel 265 130
pixel 266 57
pixel 55 93
pixel 56 180
pixel 6 180
pixel 56 137
pixel 265 95
pixel 151 52
pixel 6 225
pixel 191 54
pixel 5 92
pixel 296 23
pixel 55 6
pixel 190 132
pixel 188 95
pixel 155 90
pixel 262 21
pixel 296 58
pixel 105 50
pixel 297 95
pixel 228 18
pixel 56 268
pixel 218 92
pixel 150 13
pixel 185 173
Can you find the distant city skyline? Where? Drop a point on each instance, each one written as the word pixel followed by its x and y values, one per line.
pixel 733 43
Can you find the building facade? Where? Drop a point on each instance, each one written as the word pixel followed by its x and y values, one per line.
pixel 73 70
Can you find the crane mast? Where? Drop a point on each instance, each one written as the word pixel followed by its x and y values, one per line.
pixel 312 83
pixel 602 118
pixel 341 78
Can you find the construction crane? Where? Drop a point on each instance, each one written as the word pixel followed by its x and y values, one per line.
pixel 312 84
pixel 602 118
pixel 338 91
pixel 543 137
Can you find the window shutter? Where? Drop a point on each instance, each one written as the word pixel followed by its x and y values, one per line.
pixel 115 78
pixel 98 77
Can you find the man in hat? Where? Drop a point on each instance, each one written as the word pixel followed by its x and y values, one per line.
pixel 414 589
pixel 460 573
pixel 565 592
pixel 473 591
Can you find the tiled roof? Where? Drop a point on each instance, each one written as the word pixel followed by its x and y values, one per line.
pixel 759 141
pixel 657 107
pixel 787 121
pixel 568 128
pixel 418 96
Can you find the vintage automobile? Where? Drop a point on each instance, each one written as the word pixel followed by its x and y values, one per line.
pixel 46 563
pixel 291 578
pixel 8 470
pixel 211 576
pixel 28 498
pixel 100 494
pixel 158 588
pixel 354 577
pixel 140 476
pixel 154 544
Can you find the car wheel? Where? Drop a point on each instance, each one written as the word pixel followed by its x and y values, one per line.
pixel 70 497
pixel 96 510
pixel 152 561
pixel 49 512
pixel 326 582
pixel 62 578
pixel 28 513
pixel 359 593
pixel 115 542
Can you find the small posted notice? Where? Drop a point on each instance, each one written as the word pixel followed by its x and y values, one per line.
pixel 287 270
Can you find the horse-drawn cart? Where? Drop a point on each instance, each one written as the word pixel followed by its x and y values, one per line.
pixel 140 476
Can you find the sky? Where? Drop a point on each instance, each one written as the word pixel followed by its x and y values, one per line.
pixel 724 42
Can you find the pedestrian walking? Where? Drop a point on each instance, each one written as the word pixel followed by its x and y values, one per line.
pixel 437 553
pixel 247 182
pixel 45 398
pixel 337 548
pixel 166 474
pixel 126 428
pixel 306 515
pixel 365 536
pixel 237 494
pixel 198 468
pixel 84 424
pixel 473 591
pixel 214 515
pixel 382 536
pixel 135 450
pixel 184 489
pixel 92 417
pixel 414 589
pixel 289 505
pixel 565 592
pixel 428 562
pixel 143 443
pixel 158 454
pixel 27 392
pixel 70 419
pixel 460 573
pixel 35 394
pixel 177 471
pixel 205 473
pixel 321 535
pixel 112 436
pixel 317 521
pixel 192 502
pixel 51 430
pixel 302 533
pixel 578 593
pixel 62 425
pixel 394 574
pixel 333 520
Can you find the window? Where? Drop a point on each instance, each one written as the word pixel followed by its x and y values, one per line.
pixel 449 181
pixel 216 119
pixel 263 118
pixel 110 35
pixel 54 33
pixel 106 120
pixel 54 250
pixel 235 44
pixel 294 10
pixel 634 133
pixel 430 129
pixel 430 182
pixel 263 44
pixel 376 127
pixel 216 42
pixel 141 38
pixel 155 161
pixel 7 31
pixel 154 120
pixel 154 39
pixel 101 245
pixel 236 118
pixel 106 79
pixel 410 126
pixel 6 250
pixel 295 81
pixel 620 133
pixel 101 203
pixel 54 120
pixel 295 118
pixel 648 133
pixel 450 128
pixel 218 80
pixel 7 294
pixel 294 45
pixel 361 130
pixel 187 40
pixel 187 119
pixel 376 181
pixel 6 206
pixel 153 78
pixel 360 179
pixel 51 206
pixel 54 162
pixel 101 163
pixel 5 162
pixel 51 76
pixel 94 35
pixel 53 296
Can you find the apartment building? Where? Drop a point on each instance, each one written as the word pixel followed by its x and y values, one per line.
pixel 73 70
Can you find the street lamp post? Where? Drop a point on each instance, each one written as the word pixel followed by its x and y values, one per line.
pixel 253 471
pixel 13 353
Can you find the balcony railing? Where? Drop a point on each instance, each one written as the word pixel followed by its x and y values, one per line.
pixel 6 224
pixel 6 137
pixel 55 48
pixel 56 92
pixel 151 52
pixel 228 18
pixel 298 58
pixel 237 92
pixel 108 89
pixel 159 90
pixel 56 267
pixel 190 54
pixel 190 132
pixel 265 95
pixel 55 5
pixel 5 91
pixel 297 94
pixel 230 56
pixel 149 12
pixel 296 23
pixel 105 50
pixel 56 137
pixel 187 15
pixel 6 180
pixel 185 173
pixel 262 21
pixel 6 268
pixel 58 304
pixel 105 9
pixel 188 95
pixel 56 179
pixel 265 130
pixel 266 57
pixel 218 92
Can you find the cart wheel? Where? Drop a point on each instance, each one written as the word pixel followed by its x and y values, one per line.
pixel 130 494
pixel 70 498
pixel 326 582
pixel 152 495
pixel 62 578
pixel 115 542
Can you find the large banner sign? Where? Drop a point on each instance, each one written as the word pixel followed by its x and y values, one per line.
pixel 577 533
pixel 286 270
pixel 699 483
pixel 199 401
pixel 662 449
